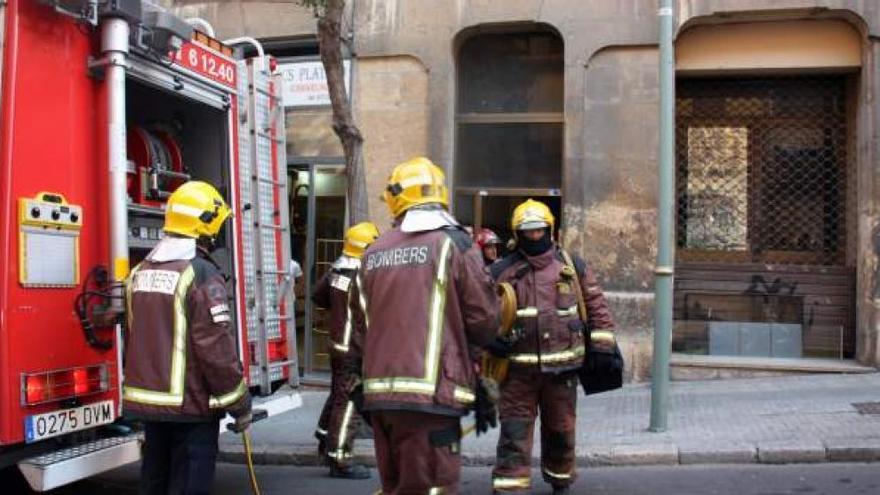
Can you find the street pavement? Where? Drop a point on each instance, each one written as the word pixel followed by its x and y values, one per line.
pixel 801 479
pixel 808 418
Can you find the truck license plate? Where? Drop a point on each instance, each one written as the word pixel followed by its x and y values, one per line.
pixel 52 424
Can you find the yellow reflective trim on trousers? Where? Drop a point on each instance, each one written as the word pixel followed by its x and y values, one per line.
pixel 174 395
pixel 426 385
pixel 229 398
pixel 435 490
pixel 529 312
pixel 502 483
pixel 550 358
pixel 340 438
pixel 558 476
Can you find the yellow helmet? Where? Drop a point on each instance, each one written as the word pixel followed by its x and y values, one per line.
pixel 358 238
pixel 415 182
pixel 531 214
pixel 196 209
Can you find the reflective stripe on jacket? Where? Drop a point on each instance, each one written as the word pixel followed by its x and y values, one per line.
pixel 181 360
pixel 425 298
pixel 547 309
pixel 333 293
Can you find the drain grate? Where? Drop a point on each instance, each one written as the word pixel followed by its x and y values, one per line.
pixel 867 407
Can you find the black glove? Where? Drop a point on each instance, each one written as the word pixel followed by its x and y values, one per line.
pixel 243 415
pixel 500 347
pixel 484 407
pixel 242 422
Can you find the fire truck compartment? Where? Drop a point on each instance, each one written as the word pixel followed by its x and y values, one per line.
pixel 200 132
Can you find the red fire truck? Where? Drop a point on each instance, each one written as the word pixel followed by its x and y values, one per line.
pixel 106 107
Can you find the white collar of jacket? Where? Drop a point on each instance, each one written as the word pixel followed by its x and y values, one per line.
pixel 424 220
pixel 346 262
pixel 173 249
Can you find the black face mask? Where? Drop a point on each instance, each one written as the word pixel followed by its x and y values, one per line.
pixel 534 248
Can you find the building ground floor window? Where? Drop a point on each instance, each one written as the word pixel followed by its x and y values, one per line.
pixel 765 217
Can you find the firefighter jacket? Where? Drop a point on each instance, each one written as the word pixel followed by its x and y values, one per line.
pixel 180 354
pixel 426 298
pixel 552 335
pixel 333 293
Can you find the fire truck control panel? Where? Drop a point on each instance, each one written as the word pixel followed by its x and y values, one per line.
pixel 49 230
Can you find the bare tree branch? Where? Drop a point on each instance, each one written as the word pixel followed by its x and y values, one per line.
pixel 330 39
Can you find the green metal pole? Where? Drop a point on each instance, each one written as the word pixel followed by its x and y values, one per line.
pixel 665 250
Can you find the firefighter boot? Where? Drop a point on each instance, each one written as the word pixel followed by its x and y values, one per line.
pixel 349 472
pixel 561 489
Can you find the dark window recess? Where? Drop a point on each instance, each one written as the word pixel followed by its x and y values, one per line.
pixel 509 155
pixel 505 72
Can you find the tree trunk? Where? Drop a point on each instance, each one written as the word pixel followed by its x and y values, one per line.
pixel 330 40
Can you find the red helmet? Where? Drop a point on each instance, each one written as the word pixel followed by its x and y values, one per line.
pixel 485 237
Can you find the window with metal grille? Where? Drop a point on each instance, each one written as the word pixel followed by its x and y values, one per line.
pixel 764 209
pixel 762 170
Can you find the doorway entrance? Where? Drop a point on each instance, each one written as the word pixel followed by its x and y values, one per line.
pixel 318 225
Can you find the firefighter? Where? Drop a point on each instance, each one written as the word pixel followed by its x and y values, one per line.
pixel 339 421
pixel 426 298
pixel 544 361
pixel 182 373
pixel 490 245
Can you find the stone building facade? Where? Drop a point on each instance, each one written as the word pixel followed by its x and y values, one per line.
pixel 778 151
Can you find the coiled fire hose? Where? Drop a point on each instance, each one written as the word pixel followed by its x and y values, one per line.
pixel 493 369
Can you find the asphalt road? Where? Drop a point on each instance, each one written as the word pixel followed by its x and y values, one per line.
pixel 803 479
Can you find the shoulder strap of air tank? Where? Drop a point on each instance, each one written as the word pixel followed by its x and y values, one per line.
pixel 582 307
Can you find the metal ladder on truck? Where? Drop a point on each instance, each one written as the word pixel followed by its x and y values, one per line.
pixel 266 229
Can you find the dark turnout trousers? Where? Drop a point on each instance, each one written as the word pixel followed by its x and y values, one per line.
pixel 339 421
pixel 179 458
pixel 417 453
pixel 524 393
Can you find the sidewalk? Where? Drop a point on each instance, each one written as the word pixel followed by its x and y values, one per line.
pixel 767 420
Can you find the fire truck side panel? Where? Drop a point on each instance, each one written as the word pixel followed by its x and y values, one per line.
pixel 50 142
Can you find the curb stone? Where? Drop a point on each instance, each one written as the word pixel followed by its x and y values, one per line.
pixel 663 454
pixel 706 453
pixel 791 451
pixel 853 449
pixel 644 454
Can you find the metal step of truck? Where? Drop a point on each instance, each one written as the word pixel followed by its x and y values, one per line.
pixel 61 467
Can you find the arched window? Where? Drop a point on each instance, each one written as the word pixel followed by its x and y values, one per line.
pixel 509 123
